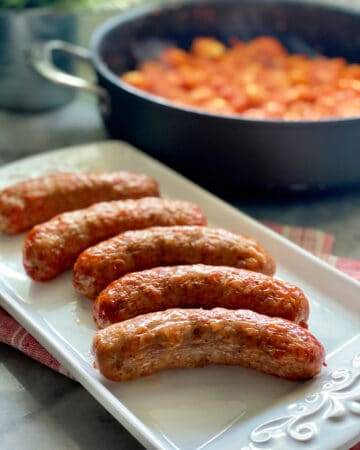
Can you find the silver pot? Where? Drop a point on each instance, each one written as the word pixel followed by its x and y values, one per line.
pixel 21 88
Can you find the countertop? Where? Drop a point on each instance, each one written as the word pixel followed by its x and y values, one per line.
pixel 43 410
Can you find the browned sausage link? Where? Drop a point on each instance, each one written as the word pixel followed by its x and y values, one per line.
pixel 137 250
pixel 198 286
pixel 180 338
pixel 52 247
pixel 36 200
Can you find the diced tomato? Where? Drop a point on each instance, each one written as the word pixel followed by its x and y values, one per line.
pixel 257 79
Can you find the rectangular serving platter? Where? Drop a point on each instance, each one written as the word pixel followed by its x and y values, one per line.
pixel 215 407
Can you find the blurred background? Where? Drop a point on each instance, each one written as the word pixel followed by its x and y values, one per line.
pixel 24 98
pixel 30 106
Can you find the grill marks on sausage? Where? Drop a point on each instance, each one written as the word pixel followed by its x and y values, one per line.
pixel 136 250
pixel 52 247
pixel 200 286
pixel 37 200
pixel 181 338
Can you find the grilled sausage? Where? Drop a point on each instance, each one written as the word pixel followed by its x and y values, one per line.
pixel 137 250
pixel 52 247
pixel 180 338
pixel 37 200
pixel 198 286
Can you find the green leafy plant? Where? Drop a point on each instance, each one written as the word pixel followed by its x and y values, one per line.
pixel 19 5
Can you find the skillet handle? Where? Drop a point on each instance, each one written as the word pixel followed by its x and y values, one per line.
pixel 41 59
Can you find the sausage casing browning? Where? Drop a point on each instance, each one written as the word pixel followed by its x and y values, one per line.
pixel 137 250
pixel 37 200
pixel 202 286
pixel 180 338
pixel 52 247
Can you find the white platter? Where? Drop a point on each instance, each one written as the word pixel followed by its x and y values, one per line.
pixel 214 407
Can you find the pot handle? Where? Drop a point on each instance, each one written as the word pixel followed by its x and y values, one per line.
pixel 41 59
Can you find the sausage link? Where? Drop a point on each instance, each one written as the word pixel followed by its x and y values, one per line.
pixel 198 286
pixel 37 200
pixel 52 247
pixel 137 250
pixel 181 338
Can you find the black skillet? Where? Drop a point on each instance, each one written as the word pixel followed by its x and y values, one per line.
pixel 227 154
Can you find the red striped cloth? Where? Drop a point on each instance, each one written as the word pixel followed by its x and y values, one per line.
pixel 315 241
pixel 320 244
